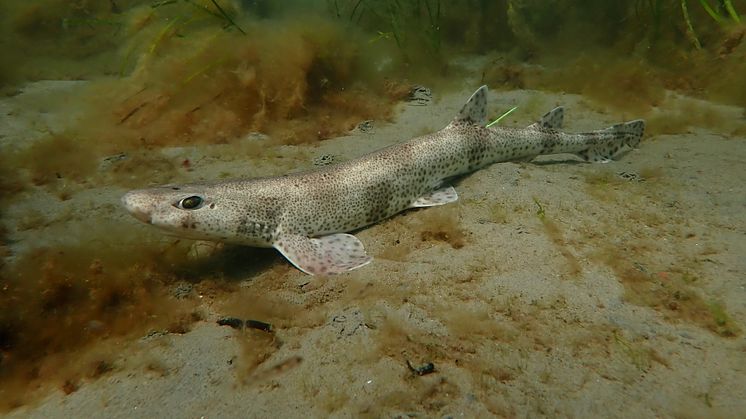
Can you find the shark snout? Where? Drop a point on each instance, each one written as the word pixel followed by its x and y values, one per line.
pixel 137 205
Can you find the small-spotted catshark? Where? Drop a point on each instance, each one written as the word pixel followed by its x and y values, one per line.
pixel 305 215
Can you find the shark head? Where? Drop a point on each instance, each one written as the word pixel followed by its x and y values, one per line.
pixel 199 212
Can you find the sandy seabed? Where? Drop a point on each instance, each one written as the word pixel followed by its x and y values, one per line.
pixel 525 295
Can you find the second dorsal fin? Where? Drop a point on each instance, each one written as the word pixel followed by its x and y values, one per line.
pixel 551 120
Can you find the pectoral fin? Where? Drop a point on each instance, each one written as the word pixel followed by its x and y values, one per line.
pixel 439 197
pixel 326 255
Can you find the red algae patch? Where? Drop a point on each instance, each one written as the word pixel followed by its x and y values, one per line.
pixel 61 301
pixel 298 81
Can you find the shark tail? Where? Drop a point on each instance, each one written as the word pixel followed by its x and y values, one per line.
pixel 614 142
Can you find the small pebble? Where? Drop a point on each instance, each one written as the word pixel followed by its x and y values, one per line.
pixel 422 370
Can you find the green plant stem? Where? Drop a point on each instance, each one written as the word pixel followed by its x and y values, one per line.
pixel 434 24
pixel 162 34
pixel 395 30
pixel 126 60
pixel 689 28
pixel 710 11
pixel 203 70
pixel 731 11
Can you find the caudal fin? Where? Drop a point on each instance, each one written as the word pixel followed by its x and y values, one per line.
pixel 614 142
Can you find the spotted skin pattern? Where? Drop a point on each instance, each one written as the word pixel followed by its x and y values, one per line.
pixel 304 215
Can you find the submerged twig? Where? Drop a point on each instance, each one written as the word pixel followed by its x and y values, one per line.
pixel 239 324
pixel 132 112
pixel 221 14
pixel 225 15
pixel 336 9
pixel 162 3
pixel 354 9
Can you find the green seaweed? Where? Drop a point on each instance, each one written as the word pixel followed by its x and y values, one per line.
pixel 660 11
pixel 716 17
pixel 219 14
pixel 177 26
pixel 169 27
pixel 690 33
pixel 725 4
pixel 639 356
pixel 731 11
pixel 210 66
pixel 724 325
pixel 540 210
pixel 404 21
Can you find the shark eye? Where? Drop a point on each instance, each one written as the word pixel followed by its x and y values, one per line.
pixel 190 203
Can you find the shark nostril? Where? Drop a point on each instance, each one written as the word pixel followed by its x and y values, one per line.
pixel 136 208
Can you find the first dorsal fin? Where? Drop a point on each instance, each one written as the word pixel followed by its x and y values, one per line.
pixel 551 120
pixel 475 109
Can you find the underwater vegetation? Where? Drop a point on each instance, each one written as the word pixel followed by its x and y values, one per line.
pixel 60 299
pixel 556 235
pixel 194 71
pixel 722 13
pixel 695 47
pixel 414 26
pixel 674 288
pixel 624 54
